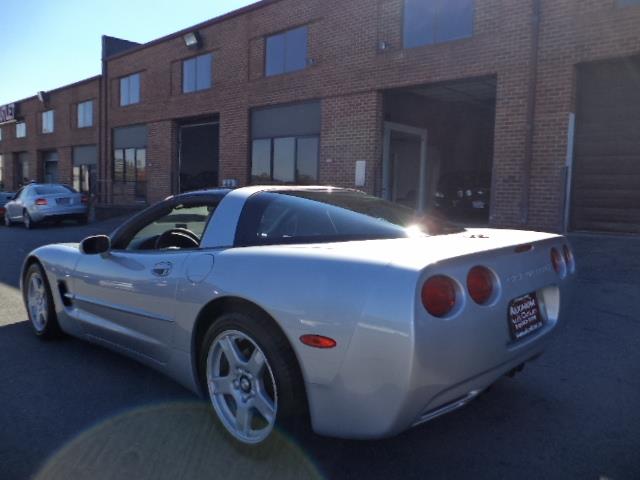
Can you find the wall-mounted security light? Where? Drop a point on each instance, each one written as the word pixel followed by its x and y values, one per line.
pixel 42 96
pixel 384 45
pixel 192 40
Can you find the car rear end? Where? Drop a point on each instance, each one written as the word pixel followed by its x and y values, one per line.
pixel 457 313
pixel 57 202
pixel 4 198
pixel 480 316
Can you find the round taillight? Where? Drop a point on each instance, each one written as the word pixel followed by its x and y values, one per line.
pixel 480 284
pixel 558 262
pixel 439 295
pixel 568 257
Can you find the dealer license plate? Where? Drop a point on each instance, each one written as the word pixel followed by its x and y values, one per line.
pixel 524 316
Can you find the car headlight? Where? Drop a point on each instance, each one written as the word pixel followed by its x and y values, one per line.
pixel 468 193
pixel 439 195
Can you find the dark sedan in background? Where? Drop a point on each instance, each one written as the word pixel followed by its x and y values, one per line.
pixel 4 198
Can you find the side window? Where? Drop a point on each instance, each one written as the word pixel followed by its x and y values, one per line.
pixel 180 228
pixel 19 194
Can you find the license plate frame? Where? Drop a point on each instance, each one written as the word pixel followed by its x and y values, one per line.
pixel 524 316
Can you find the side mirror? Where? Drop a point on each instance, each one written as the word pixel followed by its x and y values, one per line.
pixel 95 245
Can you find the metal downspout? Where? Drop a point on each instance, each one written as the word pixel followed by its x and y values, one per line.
pixel 531 110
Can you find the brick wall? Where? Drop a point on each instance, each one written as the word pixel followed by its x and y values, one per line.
pixel 349 74
pixel 66 134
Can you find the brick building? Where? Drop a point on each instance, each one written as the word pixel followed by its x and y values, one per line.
pixel 538 99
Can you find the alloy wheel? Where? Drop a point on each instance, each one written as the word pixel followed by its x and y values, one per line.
pixel 37 302
pixel 241 386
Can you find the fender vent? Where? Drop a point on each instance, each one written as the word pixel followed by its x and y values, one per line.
pixel 64 293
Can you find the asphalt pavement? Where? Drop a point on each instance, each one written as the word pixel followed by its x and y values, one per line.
pixel 69 409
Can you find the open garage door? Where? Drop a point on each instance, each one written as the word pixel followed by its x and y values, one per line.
pixel 606 172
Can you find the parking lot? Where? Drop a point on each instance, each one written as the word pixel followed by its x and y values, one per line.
pixel 73 410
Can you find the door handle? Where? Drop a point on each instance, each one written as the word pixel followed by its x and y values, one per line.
pixel 162 269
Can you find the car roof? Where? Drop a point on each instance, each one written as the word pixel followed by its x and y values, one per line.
pixel 255 189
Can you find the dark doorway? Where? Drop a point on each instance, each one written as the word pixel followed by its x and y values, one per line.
pixel 198 156
pixel 50 166
pixel 438 147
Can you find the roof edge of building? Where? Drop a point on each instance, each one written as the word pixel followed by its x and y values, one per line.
pixel 63 87
pixel 207 23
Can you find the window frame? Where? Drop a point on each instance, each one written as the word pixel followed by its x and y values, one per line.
pixel 23 123
pixel 271 158
pixel 82 124
pixel 195 60
pixel 284 33
pixel 43 119
pixel 123 178
pixel 127 231
pixel 128 80
pixel 435 27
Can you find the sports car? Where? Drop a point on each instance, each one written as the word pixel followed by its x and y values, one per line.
pixel 307 305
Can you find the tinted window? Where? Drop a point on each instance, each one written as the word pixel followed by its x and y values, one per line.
pixel 130 90
pixel 437 21
pixel 284 160
pixel 196 73
pixel 327 216
pixel 85 114
pixel 53 190
pixel 286 52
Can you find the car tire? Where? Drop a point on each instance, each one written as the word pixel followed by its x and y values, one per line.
pixel 278 384
pixel 27 220
pixel 38 301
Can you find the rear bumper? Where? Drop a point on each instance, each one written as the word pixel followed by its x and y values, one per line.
pixel 422 376
pixel 40 214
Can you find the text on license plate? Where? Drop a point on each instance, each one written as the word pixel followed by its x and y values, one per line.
pixel 524 316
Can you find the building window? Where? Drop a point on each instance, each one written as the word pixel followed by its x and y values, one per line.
pixel 627 3
pixel 0 134
pixel 85 114
pixel 21 130
pixel 130 166
pixel 1 173
pixel 48 121
pixel 437 21
pixel 130 90
pixel 286 160
pixel 286 52
pixel 196 73
pixel 82 177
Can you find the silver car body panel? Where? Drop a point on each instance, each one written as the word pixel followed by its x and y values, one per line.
pixel 394 365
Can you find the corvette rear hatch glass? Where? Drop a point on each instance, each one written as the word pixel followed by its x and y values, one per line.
pixel 316 216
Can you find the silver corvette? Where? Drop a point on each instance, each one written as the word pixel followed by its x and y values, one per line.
pixel 287 304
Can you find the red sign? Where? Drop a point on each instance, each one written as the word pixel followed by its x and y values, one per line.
pixel 7 113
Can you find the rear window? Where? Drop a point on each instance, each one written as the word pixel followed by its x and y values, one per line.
pixel 53 190
pixel 288 217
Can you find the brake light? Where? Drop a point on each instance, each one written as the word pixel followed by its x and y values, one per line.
pixel 84 199
pixel 480 284
pixel 568 257
pixel 318 341
pixel 41 201
pixel 439 295
pixel 2 210
pixel 558 262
